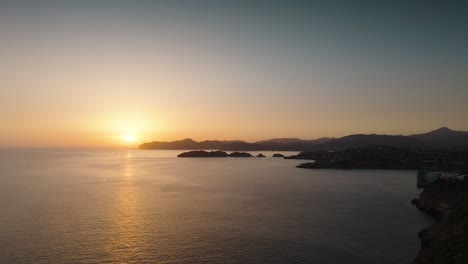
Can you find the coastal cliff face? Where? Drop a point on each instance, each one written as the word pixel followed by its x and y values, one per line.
pixel 446 241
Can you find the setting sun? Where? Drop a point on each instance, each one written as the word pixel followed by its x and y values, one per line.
pixel 129 138
pixel 212 131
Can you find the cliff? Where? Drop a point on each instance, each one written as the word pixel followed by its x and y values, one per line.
pixel 446 241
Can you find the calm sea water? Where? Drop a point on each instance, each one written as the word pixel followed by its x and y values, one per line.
pixel 133 206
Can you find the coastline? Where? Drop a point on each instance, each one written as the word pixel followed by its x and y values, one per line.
pixel 358 166
pixel 444 197
pixel 445 241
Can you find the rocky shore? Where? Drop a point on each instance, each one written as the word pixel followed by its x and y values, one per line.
pixel 446 241
pixel 368 164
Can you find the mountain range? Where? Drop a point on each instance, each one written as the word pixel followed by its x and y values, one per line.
pixel 442 138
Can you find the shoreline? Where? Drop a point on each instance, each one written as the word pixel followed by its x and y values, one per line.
pixel 445 241
pixel 357 166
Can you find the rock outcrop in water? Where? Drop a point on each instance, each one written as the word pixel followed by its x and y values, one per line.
pixel 213 154
pixel 240 155
pixel 260 156
pixel 203 154
pixel 446 241
pixel 278 155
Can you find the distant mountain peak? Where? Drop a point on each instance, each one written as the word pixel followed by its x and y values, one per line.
pixel 441 138
pixel 280 140
pixel 441 130
pixel 444 137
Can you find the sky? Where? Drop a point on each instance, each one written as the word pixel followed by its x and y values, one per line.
pixel 117 73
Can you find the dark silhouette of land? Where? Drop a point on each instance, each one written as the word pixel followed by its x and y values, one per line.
pixel 214 154
pixel 221 154
pixel 385 157
pixel 236 145
pixel 278 155
pixel 240 155
pixel 374 157
pixel 445 198
pixel 442 138
pixel 446 241
pixel 203 154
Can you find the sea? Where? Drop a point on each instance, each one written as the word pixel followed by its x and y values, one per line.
pixel 148 206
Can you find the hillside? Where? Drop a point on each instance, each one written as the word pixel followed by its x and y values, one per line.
pixel 442 138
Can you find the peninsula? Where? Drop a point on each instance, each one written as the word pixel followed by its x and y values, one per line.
pixel 385 157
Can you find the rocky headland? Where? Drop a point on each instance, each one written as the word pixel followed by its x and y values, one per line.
pixel 385 157
pixel 446 241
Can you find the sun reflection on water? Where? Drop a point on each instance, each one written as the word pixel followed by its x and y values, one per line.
pixel 129 155
pixel 126 234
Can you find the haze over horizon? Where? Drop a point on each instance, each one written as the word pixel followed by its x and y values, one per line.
pixel 114 74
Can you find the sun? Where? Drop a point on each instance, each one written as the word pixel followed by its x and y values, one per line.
pixel 129 138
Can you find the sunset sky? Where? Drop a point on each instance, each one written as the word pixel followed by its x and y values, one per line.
pixel 91 73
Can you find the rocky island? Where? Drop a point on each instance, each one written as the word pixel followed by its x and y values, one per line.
pixel 278 155
pixel 203 154
pixel 240 155
pixel 446 241
pixel 213 154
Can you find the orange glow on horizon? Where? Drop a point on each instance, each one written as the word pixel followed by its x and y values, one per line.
pixel 130 138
